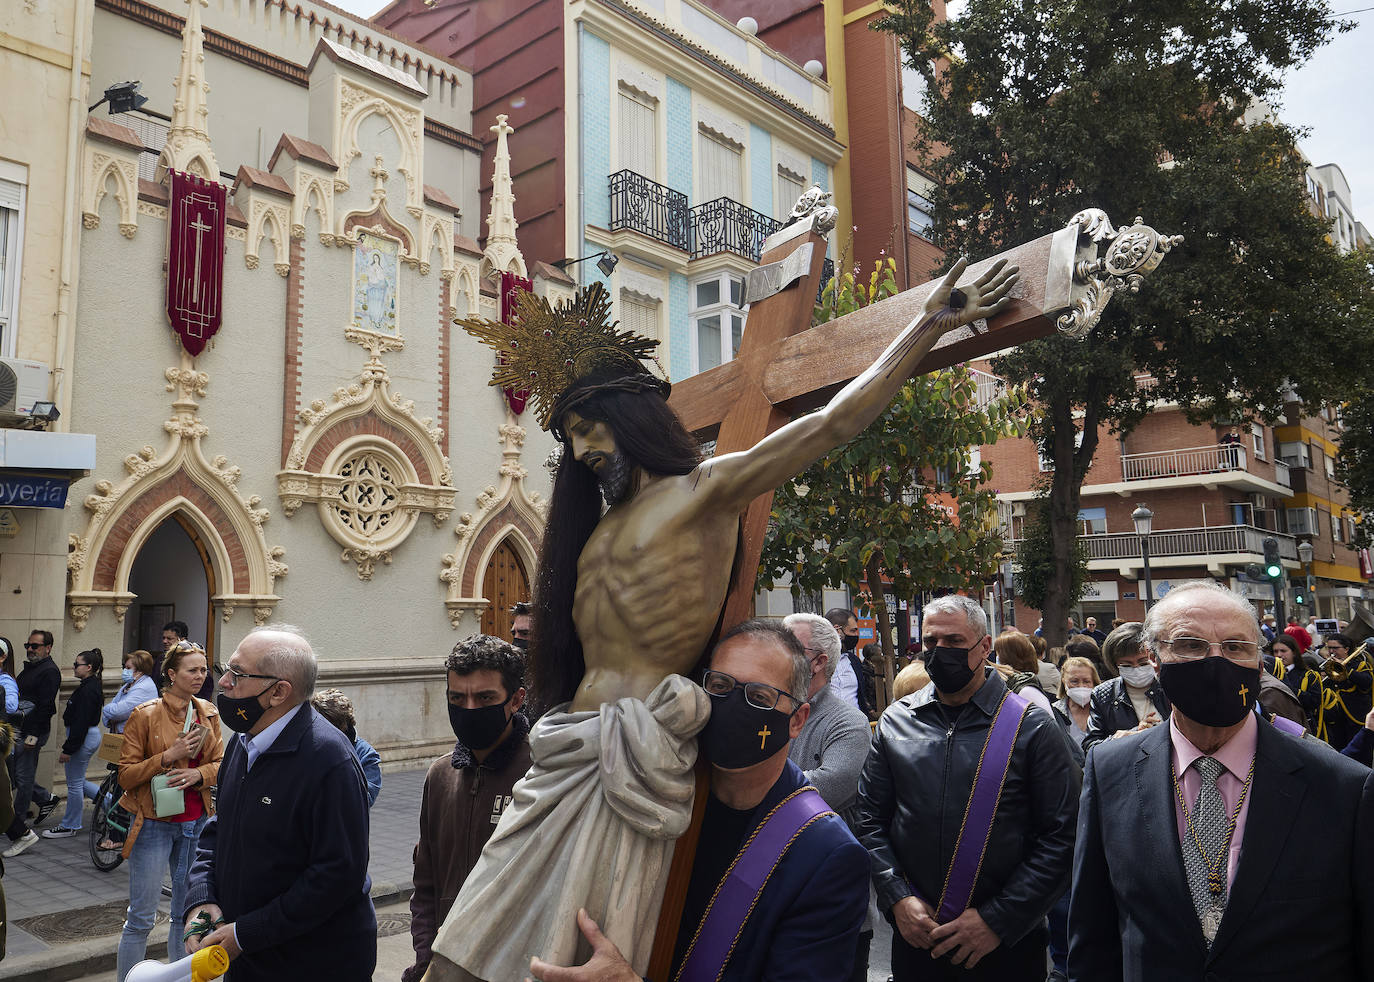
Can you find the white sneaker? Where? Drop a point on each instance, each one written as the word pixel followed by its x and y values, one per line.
pixel 28 839
pixel 59 833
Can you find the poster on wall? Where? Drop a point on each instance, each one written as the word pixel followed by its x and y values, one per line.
pixel 376 282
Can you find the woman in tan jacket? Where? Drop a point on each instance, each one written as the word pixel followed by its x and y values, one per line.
pixel 177 736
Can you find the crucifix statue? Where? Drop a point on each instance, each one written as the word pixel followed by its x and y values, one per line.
pixel 646 553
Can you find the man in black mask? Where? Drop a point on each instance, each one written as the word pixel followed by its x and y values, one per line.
pixel 280 875
pixel 467 790
pixel 521 625
pixel 967 806
pixel 848 677
pixel 1192 831
pixel 806 913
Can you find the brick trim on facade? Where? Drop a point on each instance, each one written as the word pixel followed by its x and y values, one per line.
pixel 295 319
pixel 368 425
pixel 493 526
pixel 178 485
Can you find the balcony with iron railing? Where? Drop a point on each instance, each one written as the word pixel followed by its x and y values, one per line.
pixel 1195 544
pixel 644 206
pixel 725 225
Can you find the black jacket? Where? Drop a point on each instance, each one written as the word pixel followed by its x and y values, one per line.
pixel 1131 918
pixel 38 683
pixel 82 712
pixel 285 857
pixel 915 789
pixel 1110 709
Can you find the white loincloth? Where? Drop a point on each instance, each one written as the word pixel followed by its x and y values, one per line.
pixel 592 824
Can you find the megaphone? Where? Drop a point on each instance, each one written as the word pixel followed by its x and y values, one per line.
pixel 206 964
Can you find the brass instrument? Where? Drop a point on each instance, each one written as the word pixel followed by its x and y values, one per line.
pixel 1339 669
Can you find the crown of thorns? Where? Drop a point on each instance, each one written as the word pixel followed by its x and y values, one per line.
pixel 547 350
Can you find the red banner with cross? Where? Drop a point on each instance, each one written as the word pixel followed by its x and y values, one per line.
pixel 195 258
pixel 511 286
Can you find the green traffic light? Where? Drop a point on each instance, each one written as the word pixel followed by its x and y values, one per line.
pixel 1273 571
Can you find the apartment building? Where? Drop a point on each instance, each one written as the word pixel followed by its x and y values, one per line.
pixel 654 131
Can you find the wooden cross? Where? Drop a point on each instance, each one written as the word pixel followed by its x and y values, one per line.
pixel 785 367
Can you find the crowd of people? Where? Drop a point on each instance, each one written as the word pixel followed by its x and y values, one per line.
pixel 1121 807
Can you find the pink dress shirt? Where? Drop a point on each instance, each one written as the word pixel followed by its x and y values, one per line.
pixel 1235 757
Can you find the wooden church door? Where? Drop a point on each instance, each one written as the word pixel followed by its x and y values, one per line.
pixel 504 583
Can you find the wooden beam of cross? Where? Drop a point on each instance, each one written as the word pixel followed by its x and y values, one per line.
pixel 785 367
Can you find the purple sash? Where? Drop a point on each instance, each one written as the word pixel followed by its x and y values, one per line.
pixel 982 809
pixel 744 881
pixel 1285 725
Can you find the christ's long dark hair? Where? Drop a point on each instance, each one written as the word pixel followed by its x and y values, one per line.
pixel 651 437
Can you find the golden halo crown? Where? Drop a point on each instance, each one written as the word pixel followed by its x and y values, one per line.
pixel 547 349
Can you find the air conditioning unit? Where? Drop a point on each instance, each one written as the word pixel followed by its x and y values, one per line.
pixel 22 383
pixel 1259 501
pixel 1018 509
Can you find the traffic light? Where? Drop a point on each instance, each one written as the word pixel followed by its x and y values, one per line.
pixel 1299 595
pixel 1272 567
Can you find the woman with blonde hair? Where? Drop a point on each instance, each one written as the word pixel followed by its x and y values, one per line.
pixel 1078 678
pixel 171 757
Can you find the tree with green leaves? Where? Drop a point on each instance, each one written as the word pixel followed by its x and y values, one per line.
pixel 1038 111
pixel 905 498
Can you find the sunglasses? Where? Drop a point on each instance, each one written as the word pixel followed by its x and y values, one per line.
pixel 32 647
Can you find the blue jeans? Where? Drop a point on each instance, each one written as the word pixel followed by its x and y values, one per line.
pixel 159 845
pixel 26 787
pixel 78 788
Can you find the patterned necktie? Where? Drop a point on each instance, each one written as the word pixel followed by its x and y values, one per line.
pixel 1208 829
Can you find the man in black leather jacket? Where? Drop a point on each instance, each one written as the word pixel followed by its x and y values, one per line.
pixel 913 796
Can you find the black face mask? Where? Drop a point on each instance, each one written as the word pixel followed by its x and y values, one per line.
pixel 948 669
pixel 522 643
pixel 1211 691
pixel 480 728
pixel 848 642
pixel 739 735
pixel 241 715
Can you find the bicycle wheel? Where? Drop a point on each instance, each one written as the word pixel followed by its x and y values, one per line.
pixel 105 859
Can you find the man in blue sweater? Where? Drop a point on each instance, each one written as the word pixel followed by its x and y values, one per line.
pixel 281 870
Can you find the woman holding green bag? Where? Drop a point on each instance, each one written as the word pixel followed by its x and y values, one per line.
pixel 171 756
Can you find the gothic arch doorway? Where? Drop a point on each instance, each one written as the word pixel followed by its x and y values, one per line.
pixel 504 582
pixel 173 579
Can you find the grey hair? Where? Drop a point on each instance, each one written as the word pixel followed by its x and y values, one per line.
pixel 1153 624
pixel 953 603
pixel 289 657
pixel 1126 640
pixel 759 627
pixel 823 637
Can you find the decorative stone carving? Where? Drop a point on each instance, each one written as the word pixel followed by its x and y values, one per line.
pixel 188 137
pixel 505 512
pixel 100 169
pixel 268 217
pixel 1130 254
pixel 356 103
pixel 502 254
pixel 179 480
pixel 370 465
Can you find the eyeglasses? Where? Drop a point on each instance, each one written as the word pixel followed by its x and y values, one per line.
pixel 760 695
pixel 238 676
pixel 1230 649
pixel 79 664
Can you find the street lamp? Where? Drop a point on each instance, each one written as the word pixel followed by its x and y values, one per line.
pixel 1143 519
pixel 1305 553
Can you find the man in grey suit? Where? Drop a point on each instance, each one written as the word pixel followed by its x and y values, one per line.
pixel 1192 833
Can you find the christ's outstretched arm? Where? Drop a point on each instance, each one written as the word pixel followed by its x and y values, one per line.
pixel 731 481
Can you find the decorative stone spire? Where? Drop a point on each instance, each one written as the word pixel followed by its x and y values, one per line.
pixel 188 139
pixel 503 253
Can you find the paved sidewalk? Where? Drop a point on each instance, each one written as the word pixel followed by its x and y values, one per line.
pixel 55 877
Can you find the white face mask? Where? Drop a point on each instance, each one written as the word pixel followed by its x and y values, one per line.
pixel 1141 676
pixel 1080 694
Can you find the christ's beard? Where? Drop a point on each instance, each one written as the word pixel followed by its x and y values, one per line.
pixel 614 477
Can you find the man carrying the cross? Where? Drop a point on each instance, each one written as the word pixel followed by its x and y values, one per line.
pixel 967 806
pixel 625 605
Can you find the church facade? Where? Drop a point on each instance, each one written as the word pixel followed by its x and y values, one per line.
pixel 334 457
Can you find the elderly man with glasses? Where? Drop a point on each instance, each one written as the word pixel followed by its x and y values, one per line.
pixel 1192 832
